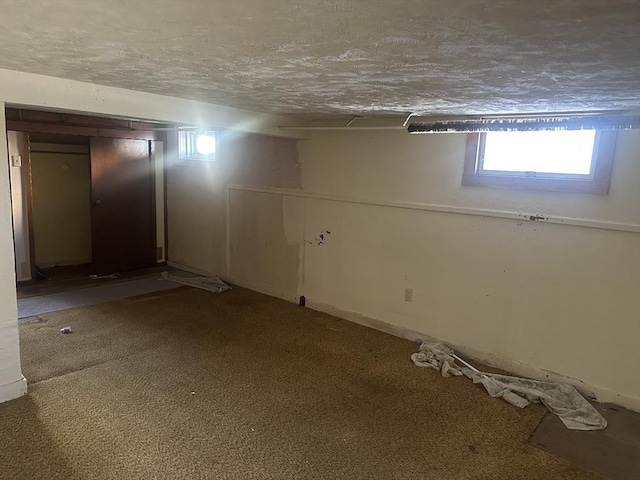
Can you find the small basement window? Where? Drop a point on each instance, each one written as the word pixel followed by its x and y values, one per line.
pixel 196 146
pixel 577 161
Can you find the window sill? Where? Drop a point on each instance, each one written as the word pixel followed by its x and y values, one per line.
pixel 545 184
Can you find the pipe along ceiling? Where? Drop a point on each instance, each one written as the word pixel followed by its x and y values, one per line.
pixel 597 121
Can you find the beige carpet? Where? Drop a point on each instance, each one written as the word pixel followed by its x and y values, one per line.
pixel 193 385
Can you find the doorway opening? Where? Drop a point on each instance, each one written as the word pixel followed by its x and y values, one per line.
pixel 61 205
pixel 88 199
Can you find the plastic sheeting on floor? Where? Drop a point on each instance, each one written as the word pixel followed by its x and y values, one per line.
pixel 213 284
pixel 561 399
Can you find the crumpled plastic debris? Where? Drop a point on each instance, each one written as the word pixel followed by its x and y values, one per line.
pixel 561 399
pixel 212 284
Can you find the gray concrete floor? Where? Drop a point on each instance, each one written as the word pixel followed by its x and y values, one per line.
pixel 613 452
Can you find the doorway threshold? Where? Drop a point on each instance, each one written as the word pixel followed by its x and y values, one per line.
pixel 64 279
pixel 40 304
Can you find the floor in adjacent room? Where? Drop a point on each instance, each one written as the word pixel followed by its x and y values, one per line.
pixel 71 286
pixel 184 384
pixel 76 277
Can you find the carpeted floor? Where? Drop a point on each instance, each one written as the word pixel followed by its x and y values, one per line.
pixel 187 384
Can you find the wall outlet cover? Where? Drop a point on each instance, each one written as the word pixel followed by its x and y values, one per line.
pixel 408 294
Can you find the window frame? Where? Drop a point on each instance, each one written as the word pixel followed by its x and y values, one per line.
pixel 187 150
pixel 597 183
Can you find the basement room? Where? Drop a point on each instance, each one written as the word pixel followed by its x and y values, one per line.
pixel 320 239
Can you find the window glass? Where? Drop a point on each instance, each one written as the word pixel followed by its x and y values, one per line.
pixel 547 152
pixel 196 146
pixel 572 161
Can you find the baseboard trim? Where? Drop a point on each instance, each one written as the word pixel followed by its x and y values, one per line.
pixel 10 391
pixel 601 394
pixel 65 263
pixel 262 288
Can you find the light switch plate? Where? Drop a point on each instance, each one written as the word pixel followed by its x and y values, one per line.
pixel 16 161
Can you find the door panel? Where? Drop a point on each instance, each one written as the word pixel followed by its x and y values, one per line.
pixel 122 205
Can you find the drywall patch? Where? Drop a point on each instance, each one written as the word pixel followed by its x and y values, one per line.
pixel 265 251
pixel 252 159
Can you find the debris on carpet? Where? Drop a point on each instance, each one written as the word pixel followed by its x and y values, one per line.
pixel 99 277
pixel 561 399
pixel 212 284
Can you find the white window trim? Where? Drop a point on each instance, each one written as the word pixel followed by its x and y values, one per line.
pixel 187 146
pixel 597 183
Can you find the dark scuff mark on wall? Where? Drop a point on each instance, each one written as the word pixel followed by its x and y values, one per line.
pixel 320 239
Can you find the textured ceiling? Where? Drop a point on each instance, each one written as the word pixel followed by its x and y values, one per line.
pixel 349 57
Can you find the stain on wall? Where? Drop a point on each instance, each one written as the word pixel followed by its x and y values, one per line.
pixel 320 239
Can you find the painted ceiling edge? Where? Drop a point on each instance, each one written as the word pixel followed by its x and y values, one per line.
pixel 527 123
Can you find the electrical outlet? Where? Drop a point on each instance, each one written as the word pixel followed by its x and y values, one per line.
pixel 408 294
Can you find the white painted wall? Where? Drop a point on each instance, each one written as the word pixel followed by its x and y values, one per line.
pixel 395 166
pixel 18 89
pixel 539 299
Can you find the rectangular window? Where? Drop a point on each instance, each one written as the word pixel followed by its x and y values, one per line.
pixel 196 146
pixel 577 161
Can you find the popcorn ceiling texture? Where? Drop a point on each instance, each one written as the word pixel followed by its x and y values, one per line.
pixel 340 57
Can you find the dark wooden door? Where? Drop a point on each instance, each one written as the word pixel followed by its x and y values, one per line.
pixel 123 206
